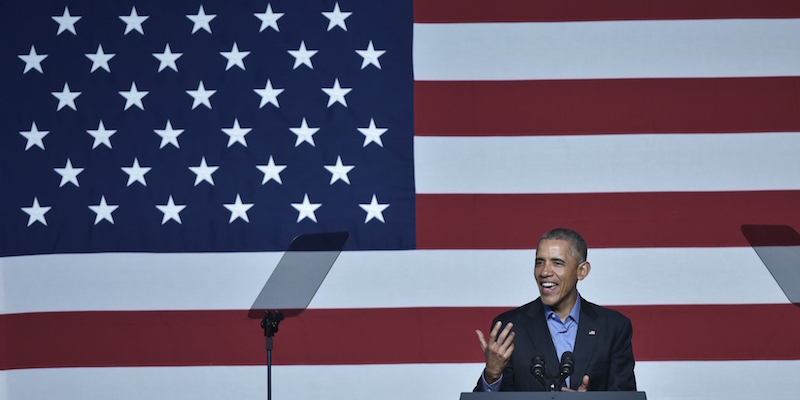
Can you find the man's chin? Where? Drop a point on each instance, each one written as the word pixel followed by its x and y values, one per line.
pixel 553 297
pixel 548 299
pixel 550 296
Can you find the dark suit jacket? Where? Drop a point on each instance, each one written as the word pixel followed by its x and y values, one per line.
pixel 602 349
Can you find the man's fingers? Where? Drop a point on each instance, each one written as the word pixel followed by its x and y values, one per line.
pixel 500 342
pixel 584 384
pixel 482 339
pixel 495 331
pixel 584 387
pixel 509 350
pixel 497 349
pixel 509 341
pixel 505 332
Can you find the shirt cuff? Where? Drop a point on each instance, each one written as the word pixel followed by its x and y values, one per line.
pixel 494 387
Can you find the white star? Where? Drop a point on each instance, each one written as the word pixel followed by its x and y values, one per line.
pixel 33 60
pixel 203 172
pixel 171 211
pixel 36 212
pixel 103 211
pixel 306 209
pixel 66 98
pixel 302 56
pixel 304 134
pixel 269 95
pixel 336 17
pixel 101 135
pixel 235 57
pixel 336 94
pixel 236 133
pixel 339 171
pixel 374 210
pixel 100 59
pixel 136 172
pixel 372 134
pixel 133 22
pixel 133 97
pixel 66 22
pixel 370 56
pixel 238 210
pixel 34 137
pixel 201 20
pixel 169 135
pixel 201 96
pixel 68 174
pixel 167 59
pixel 269 19
pixel 271 171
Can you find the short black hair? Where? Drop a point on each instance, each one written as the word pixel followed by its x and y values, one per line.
pixel 577 244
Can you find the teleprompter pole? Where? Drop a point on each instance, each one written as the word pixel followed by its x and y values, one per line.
pixel 270 325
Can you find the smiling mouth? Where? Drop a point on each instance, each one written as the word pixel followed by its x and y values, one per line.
pixel 548 285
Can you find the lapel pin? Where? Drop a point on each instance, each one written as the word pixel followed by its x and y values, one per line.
pixel 592 333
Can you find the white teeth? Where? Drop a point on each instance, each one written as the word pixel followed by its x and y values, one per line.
pixel 548 284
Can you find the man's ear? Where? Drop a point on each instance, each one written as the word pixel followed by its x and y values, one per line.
pixel 583 270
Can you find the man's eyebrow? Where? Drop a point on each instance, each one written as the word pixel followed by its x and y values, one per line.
pixel 551 259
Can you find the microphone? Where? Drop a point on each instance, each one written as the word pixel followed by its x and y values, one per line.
pixel 538 370
pixel 567 364
pixel 565 369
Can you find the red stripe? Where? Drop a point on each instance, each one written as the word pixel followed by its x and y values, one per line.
pixel 367 336
pixel 606 220
pixel 592 10
pixel 509 108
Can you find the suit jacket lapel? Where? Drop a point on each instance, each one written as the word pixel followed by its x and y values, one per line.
pixel 585 342
pixel 540 337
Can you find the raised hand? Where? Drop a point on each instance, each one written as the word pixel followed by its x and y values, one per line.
pixel 497 350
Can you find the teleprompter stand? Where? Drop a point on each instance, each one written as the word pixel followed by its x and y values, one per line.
pixel 270 325
pixel 293 283
pixel 554 396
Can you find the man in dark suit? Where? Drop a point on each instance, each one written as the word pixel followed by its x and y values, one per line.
pixel 560 320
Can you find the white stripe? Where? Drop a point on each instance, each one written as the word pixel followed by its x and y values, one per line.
pixel 368 279
pixel 607 49
pixel 684 380
pixel 709 380
pixel 3 385
pixel 607 163
pixel 385 382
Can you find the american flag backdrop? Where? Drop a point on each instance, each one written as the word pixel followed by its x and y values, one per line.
pixel 157 157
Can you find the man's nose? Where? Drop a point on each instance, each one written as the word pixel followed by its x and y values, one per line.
pixel 547 269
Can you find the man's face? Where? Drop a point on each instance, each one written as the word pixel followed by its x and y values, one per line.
pixel 557 273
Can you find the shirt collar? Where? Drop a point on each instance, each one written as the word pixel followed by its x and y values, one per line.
pixel 574 314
